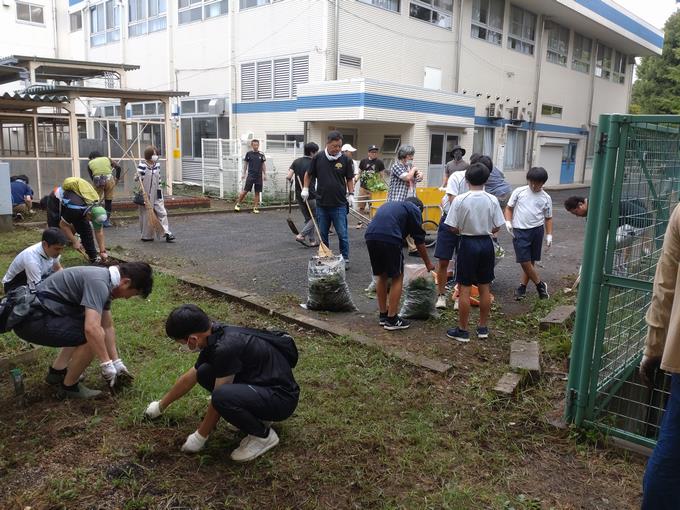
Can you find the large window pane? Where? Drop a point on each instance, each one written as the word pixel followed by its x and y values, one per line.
pixel 203 128
pixel 186 138
pixel 436 149
pixel 487 20
pixel 390 5
pixel 23 12
pixel 558 45
pixel 36 14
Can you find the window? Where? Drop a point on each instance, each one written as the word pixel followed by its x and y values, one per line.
pixel 285 142
pixel 30 12
pixel 273 79
pixel 104 23
pixel 76 19
pixel 558 44
pixel 389 5
pixel 515 148
pixel 194 128
pixel 548 110
pixel 16 137
pixel 437 12
pixel 390 144
pixel 620 63
pixel 152 109
pixel 583 48
pixel 487 20
pixel 482 143
pixel 197 10
pixel 247 4
pixel 146 16
pixel 522 34
pixel 592 143
pixel 603 62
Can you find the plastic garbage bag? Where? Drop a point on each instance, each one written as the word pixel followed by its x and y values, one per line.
pixel 420 293
pixel 328 289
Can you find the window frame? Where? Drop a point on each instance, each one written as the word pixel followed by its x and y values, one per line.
pixel 619 73
pixel 480 25
pixel 31 6
pixel 579 60
pixel 520 39
pixel 600 64
pixel 287 143
pixel 203 6
pixel 376 4
pixel 146 21
pixel 552 111
pixel 506 166
pixel 558 29
pixel 110 35
pixel 79 15
pixel 260 3
pixel 423 4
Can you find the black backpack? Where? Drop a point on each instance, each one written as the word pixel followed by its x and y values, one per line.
pixel 280 340
pixel 16 306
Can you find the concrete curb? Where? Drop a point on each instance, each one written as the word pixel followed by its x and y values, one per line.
pixel 259 304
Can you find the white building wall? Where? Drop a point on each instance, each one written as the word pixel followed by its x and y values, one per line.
pixel 24 38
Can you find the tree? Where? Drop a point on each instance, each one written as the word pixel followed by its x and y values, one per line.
pixel 657 89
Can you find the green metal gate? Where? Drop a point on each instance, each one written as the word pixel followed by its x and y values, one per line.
pixel 636 178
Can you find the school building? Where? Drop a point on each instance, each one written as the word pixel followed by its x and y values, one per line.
pixel 521 80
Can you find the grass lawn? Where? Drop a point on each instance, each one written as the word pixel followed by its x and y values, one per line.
pixel 370 431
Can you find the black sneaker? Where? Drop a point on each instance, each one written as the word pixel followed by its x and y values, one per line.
pixel 542 289
pixel 55 377
pixel 520 292
pixel 169 238
pixel 458 334
pixel 382 319
pixel 396 322
pixel 482 332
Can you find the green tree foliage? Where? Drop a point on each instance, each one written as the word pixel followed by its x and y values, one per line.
pixel 657 89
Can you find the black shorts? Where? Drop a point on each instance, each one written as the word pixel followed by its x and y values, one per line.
pixel 253 181
pixel 527 243
pixel 447 243
pixel 386 258
pixel 52 330
pixel 475 260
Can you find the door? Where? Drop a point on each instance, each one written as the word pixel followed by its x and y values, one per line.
pixel 568 162
pixel 441 144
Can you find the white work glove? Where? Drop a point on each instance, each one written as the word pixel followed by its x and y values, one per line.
pixel 123 376
pixel 442 189
pixel 194 443
pixel 548 240
pixel 153 410
pixel 508 227
pixel 109 373
pixel 350 199
pixel 304 194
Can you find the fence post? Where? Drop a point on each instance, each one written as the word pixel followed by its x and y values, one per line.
pixel 202 167
pixel 591 270
pixel 220 166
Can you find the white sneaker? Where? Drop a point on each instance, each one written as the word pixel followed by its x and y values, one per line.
pixel 252 447
pixel 441 302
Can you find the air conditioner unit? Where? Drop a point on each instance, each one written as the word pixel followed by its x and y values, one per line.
pixel 515 113
pixel 218 106
pixel 494 111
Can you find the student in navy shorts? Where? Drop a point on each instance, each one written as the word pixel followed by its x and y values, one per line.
pixel 475 216
pixel 528 216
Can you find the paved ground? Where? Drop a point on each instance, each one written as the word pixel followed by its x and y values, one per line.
pixel 257 253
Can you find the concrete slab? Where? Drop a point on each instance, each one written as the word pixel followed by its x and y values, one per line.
pixel 525 356
pixel 508 384
pixel 562 315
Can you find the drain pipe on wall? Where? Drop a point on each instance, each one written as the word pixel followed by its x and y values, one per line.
pixel 459 41
pixel 591 97
pixel 537 83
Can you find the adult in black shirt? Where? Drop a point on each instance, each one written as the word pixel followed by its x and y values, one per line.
pixel 367 168
pixel 296 174
pixel 248 371
pixel 256 168
pixel 334 174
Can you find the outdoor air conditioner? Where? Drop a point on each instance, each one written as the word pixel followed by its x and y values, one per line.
pixel 494 111
pixel 218 106
pixel 515 113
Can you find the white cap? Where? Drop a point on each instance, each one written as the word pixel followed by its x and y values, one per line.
pixel 348 147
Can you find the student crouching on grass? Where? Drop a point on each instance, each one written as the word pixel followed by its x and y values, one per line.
pixel 384 236
pixel 247 371
pixel 36 262
pixel 474 216
pixel 528 216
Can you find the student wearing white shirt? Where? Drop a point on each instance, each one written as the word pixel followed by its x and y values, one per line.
pixel 36 262
pixel 528 215
pixel 474 215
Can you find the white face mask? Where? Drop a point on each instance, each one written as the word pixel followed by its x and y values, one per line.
pixel 154 158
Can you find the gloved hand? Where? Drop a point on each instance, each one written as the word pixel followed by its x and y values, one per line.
pixel 123 376
pixel 304 194
pixel 194 443
pixel 548 240
pixel 648 366
pixel 508 227
pixel 108 372
pixel 350 199
pixel 153 410
pixel 442 189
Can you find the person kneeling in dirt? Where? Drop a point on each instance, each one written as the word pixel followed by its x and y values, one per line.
pixel 248 371
pixel 73 311
pixel 384 238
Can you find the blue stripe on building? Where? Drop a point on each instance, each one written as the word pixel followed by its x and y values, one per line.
pixel 538 126
pixel 74 2
pixel 619 18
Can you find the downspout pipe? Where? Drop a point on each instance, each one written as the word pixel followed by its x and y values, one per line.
pixel 537 84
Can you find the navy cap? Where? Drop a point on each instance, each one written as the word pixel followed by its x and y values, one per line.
pixel 373 148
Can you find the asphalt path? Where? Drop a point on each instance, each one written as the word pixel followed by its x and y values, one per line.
pixel 257 253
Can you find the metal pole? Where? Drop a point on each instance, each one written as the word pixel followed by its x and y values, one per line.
pixel 37 155
pixel 202 166
pixel 73 138
pixel 220 167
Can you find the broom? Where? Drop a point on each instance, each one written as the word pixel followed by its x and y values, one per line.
pixel 324 251
pixel 153 219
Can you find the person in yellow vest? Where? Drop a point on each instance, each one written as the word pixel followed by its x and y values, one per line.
pixel 74 208
pixel 105 174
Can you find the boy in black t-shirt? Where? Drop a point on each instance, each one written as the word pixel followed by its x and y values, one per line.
pixel 248 372
pixel 254 173
pixel 367 168
pixel 296 174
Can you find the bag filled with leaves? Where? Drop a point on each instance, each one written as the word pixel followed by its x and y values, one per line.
pixel 328 289
pixel 420 293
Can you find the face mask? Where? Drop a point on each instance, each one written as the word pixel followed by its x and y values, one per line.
pixel 154 158
pixel 332 158
pixel 457 156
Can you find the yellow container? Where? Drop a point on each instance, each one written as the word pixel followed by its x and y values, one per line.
pixel 431 198
pixel 378 198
